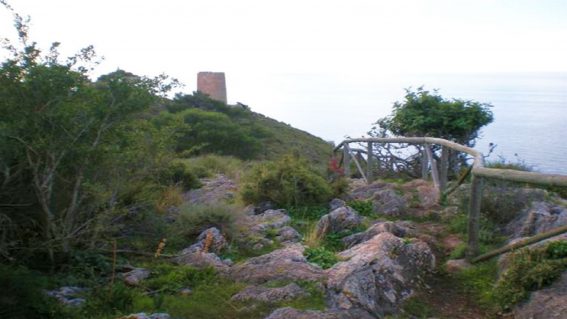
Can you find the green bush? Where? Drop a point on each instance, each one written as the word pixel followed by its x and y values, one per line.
pixel 170 279
pixel 363 207
pixel 321 256
pixel 529 270
pixel 193 219
pixel 178 173
pixel 22 295
pixel 212 164
pixel 287 182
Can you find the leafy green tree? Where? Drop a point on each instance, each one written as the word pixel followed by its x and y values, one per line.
pixel 59 130
pixel 214 132
pixel 424 113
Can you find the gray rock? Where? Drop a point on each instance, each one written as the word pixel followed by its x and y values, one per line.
pixel 538 218
pixel 336 203
pixel 200 259
pixel 389 202
pixel 287 263
pixel 214 190
pixel 143 315
pixel 270 295
pixel 398 228
pixel 426 192
pixel 263 206
pixel 270 219
pixel 218 242
pixel 69 296
pixel 548 303
pixel 338 220
pixel 378 274
pixel 291 313
pixel 134 277
pixel 288 234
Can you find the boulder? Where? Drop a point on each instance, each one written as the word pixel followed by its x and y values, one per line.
pixel 216 241
pixel 287 263
pixel 263 206
pixel 269 220
pixel 538 218
pixel 378 274
pixel 338 220
pixel 135 276
pixel 398 228
pixel 425 192
pixel 389 202
pixel 214 190
pixel 291 313
pixel 336 203
pixel 547 303
pixel 143 315
pixel 270 295
pixel 69 296
pixel 288 234
pixel 200 259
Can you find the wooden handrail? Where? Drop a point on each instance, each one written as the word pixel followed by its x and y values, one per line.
pixel 478 171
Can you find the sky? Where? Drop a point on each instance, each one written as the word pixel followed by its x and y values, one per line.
pixel 329 67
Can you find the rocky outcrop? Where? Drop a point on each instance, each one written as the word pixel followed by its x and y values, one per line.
pixel 423 193
pixel 378 274
pixel 270 295
pixel 538 218
pixel 291 313
pixel 336 203
pixel 143 315
pixel 385 199
pixel 287 263
pixel 260 230
pixel 271 219
pixel 69 296
pixel 203 253
pixel 214 190
pixel 398 228
pixel 135 276
pixel 338 220
pixel 548 303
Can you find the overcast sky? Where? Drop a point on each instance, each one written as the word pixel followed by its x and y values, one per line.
pixel 277 53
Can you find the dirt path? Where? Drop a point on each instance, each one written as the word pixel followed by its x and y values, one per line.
pixel 444 295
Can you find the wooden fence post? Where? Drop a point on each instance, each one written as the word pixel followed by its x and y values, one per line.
pixel 443 168
pixel 474 216
pixel 346 159
pixel 370 164
pixel 434 170
pixel 424 163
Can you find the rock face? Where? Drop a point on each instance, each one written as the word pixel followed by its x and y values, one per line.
pixel 538 218
pixel 385 200
pixel 262 229
pixel 378 274
pixel 270 219
pixel 143 315
pixel 135 276
pixel 287 263
pixel 426 193
pixel 269 295
pixel 338 220
pixel 69 296
pixel 214 190
pixel 203 253
pixel 290 313
pixel 548 303
pixel 398 228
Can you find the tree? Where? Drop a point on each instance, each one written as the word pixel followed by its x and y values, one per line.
pixel 58 129
pixel 428 114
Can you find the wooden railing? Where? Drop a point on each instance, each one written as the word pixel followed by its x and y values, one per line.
pixel 439 174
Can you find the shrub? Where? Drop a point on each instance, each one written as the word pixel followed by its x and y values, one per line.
pixel 170 279
pixel 193 219
pixel 180 174
pixel 22 295
pixel 530 270
pixel 287 182
pixel 321 256
pixel 170 196
pixel 363 207
pixel 117 299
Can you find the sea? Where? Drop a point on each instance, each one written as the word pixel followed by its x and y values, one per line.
pixel 530 109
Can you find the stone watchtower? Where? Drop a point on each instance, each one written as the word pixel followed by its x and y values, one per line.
pixel 212 84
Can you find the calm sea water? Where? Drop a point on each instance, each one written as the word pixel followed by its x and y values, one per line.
pixel 530 110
